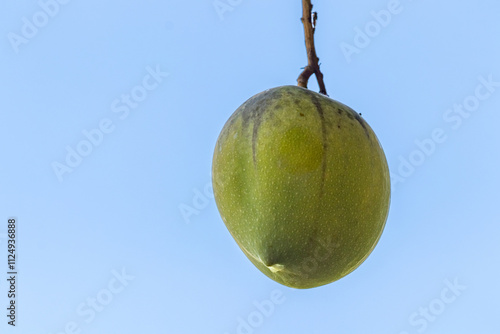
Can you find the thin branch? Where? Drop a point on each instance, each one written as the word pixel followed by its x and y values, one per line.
pixel 309 21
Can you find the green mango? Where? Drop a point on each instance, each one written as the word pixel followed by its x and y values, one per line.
pixel 302 184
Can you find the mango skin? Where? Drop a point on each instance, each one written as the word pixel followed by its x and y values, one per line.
pixel 302 184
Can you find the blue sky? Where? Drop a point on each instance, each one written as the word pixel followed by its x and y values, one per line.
pixel 142 91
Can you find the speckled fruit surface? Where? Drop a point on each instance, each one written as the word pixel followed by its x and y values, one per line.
pixel 302 184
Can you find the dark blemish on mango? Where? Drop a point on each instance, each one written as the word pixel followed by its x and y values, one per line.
pixel 253 110
pixel 319 109
pixel 363 124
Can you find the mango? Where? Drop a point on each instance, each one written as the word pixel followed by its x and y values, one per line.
pixel 302 184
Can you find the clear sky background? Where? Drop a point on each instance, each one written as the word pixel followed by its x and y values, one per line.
pixel 103 245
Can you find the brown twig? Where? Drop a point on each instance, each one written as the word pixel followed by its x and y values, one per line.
pixel 309 21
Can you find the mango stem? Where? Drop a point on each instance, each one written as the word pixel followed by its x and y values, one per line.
pixel 309 20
